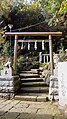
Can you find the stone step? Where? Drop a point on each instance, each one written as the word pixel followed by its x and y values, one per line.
pixel 29 72
pixel 39 97
pixel 30 75
pixel 34 84
pixel 31 79
pixel 34 70
pixel 34 89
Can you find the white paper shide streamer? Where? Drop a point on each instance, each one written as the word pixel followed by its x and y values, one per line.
pixel 22 46
pixel 28 45
pixel 36 45
pixel 43 45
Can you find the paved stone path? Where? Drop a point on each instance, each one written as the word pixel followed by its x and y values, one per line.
pixel 16 109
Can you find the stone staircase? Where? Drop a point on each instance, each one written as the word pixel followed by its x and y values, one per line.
pixel 33 87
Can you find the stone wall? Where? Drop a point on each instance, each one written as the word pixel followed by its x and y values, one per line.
pixel 9 86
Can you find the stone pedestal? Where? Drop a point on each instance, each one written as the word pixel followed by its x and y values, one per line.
pixel 62 76
pixel 9 86
pixel 53 88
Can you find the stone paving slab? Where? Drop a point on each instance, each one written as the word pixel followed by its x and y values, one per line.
pixel 60 117
pixel 41 99
pixel 8 105
pixel 4 104
pixel 32 97
pixel 26 98
pixel 16 109
pixel 22 105
pixel 34 116
pixel 10 115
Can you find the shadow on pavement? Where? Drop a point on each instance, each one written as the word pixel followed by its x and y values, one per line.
pixel 18 115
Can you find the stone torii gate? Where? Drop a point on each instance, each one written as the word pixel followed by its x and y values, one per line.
pixel 49 34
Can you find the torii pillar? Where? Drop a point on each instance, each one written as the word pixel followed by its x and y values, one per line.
pixel 51 54
pixel 15 53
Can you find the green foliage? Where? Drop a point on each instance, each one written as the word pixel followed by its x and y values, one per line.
pixel 45 65
pixel 6 49
pixel 2 37
pixel 63 7
pixel 25 14
pixel 20 62
pixel 1 67
pixel 22 14
pixel 5 7
pixel 53 9
pixel 45 69
pixel 62 53
pixel 27 62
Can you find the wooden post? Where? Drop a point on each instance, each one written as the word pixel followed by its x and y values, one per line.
pixel 15 51
pixel 44 58
pixel 47 57
pixel 40 57
pixel 51 53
